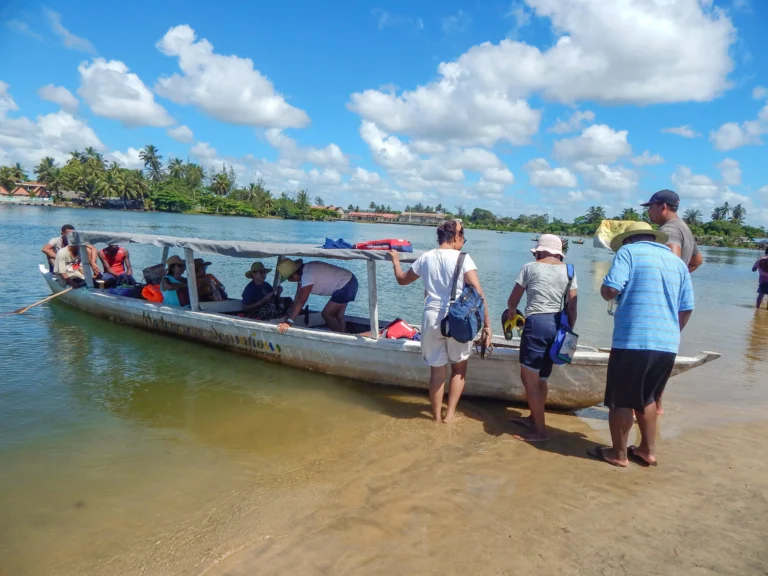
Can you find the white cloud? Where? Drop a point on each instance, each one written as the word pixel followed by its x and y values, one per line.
pixel 647 159
pixel 520 16
pixel 730 171
pixel 228 88
pixel 385 19
pixel 23 28
pixel 760 93
pixel 69 39
pixel 598 144
pixel 295 155
pixel 388 151
pixel 684 131
pixel 111 91
pixel 455 23
pixel 581 195
pixel 498 175
pixel 732 135
pixel 59 95
pixel 698 190
pixel 25 141
pixel 365 177
pixel 203 150
pixel 574 123
pixel 611 178
pixel 542 175
pixel 181 134
pixel 763 191
pixel 128 159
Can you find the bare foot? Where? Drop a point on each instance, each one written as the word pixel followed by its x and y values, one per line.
pixel 606 454
pixel 531 437
pixel 526 421
pixel 451 419
pixel 642 457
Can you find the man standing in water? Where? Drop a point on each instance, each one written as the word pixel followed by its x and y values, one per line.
pixel 761 266
pixel 655 305
pixel 662 211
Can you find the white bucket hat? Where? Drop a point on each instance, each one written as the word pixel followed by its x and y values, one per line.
pixel 549 243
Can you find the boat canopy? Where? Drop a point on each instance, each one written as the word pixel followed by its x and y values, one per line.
pixel 232 248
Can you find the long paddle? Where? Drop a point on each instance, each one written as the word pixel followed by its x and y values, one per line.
pixel 43 301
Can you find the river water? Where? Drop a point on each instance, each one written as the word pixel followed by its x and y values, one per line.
pixel 123 451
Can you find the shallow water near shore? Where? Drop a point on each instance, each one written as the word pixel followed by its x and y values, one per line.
pixel 125 452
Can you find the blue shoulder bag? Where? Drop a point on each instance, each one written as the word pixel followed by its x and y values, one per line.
pixel 465 313
pixel 566 341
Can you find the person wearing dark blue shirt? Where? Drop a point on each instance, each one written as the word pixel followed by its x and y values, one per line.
pixel 258 293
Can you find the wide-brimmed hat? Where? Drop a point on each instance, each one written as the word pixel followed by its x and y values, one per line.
pixel 287 267
pixel 635 229
pixel 174 260
pixel 257 267
pixel 201 263
pixel 549 243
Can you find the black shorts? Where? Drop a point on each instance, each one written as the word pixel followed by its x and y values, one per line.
pixel 762 288
pixel 636 378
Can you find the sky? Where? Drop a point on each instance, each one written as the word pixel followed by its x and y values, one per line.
pixel 519 107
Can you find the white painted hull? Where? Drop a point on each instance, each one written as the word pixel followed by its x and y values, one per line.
pixel 393 362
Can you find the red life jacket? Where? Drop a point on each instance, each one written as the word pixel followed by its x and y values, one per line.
pixel 386 244
pixel 399 329
pixel 152 293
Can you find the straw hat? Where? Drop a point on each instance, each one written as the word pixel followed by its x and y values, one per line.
pixel 288 267
pixel 635 229
pixel 174 260
pixel 549 243
pixel 257 267
pixel 201 263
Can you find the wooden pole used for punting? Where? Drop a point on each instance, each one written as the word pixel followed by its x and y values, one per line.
pixel 194 300
pixel 86 265
pixel 373 300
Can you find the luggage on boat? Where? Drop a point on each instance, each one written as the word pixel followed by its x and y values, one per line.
pixel 387 244
pixel 331 244
pixel 153 274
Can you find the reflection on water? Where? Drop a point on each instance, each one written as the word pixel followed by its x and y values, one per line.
pixel 125 451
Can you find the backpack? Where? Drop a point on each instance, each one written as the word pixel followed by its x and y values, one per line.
pixel 465 314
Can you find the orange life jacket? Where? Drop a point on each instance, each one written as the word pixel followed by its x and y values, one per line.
pixel 152 293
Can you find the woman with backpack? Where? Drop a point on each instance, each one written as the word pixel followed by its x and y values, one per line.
pixel 439 269
pixel 761 266
pixel 547 286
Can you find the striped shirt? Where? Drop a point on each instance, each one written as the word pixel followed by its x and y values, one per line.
pixel 654 285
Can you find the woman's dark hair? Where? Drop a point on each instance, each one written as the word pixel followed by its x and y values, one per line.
pixel 171 267
pixel 448 230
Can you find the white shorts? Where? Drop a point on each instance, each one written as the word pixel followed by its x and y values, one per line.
pixel 436 349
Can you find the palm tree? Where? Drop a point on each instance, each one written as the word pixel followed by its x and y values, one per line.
pixel 76 155
pixel 220 183
pixel 372 206
pixel 719 213
pixel 726 208
pixel 630 214
pixel 19 173
pixel 302 200
pixel 110 184
pixel 595 214
pixel 44 168
pixel 54 182
pixel 176 168
pixel 7 178
pixel 319 201
pixel 136 187
pixel 153 162
pixel 738 214
pixel 692 217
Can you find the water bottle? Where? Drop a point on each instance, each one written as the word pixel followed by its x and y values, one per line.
pixel 612 305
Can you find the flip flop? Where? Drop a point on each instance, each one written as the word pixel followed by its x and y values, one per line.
pixel 521 438
pixel 637 459
pixel 598 453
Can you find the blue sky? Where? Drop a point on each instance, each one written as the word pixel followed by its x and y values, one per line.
pixel 519 107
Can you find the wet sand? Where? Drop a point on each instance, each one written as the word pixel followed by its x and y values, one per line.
pixel 455 503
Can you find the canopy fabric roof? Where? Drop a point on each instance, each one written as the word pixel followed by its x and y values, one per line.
pixel 232 248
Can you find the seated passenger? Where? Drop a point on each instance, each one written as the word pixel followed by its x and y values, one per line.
pixel 54 245
pixel 324 280
pixel 68 268
pixel 209 289
pixel 117 266
pixel 174 285
pixel 260 300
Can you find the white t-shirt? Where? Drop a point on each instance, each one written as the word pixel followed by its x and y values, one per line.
pixel 436 269
pixel 324 278
pixel 57 243
pixel 68 264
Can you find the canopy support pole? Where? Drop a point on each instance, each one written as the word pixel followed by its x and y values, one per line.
pixel 86 265
pixel 373 300
pixel 277 274
pixel 194 301
pixel 165 255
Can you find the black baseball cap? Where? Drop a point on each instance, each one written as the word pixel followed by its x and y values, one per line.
pixel 664 197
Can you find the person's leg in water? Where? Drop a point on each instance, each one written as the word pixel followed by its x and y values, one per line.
pixel 455 388
pixel 437 376
pixel 536 395
pixel 760 299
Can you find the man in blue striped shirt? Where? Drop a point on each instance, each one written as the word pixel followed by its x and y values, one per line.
pixel 655 301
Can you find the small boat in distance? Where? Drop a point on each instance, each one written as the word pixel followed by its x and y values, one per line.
pixel 580 241
pixel 360 354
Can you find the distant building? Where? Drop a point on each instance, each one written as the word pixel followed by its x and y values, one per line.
pixel 426 218
pixel 25 193
pixel 338 209
pixel 371 217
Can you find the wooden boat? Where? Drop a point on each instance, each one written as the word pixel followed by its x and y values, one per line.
pixel 581 241
pixel 311 346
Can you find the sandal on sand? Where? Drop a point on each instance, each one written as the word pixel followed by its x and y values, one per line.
pixel 598 453
pixel 637 459
pixel 528 438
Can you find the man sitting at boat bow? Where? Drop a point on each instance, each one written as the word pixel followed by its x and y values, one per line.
pixel 321 279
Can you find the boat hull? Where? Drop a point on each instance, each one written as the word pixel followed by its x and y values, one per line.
pixel 391 362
